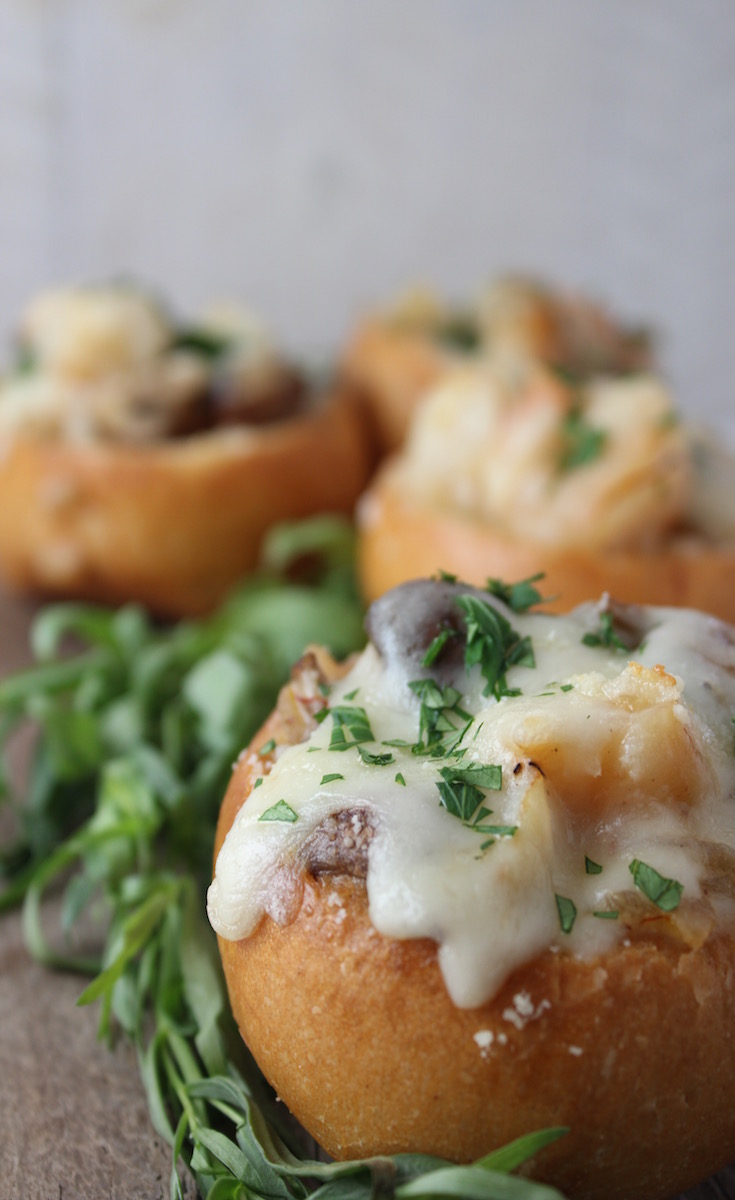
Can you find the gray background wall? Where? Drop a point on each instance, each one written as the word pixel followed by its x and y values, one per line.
pixel 312 156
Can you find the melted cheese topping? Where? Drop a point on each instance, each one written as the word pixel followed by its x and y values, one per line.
pixel 604 464
pixel 607 759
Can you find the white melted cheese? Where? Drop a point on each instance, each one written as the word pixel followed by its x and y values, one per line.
pixel 602 758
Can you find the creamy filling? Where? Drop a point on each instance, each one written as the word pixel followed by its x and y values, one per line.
pixel 611 779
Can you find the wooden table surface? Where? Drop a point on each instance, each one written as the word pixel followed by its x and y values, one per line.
pixel 74 1123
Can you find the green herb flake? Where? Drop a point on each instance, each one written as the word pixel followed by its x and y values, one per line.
pixel 459 790
pixel 493 644
pixel 591 867
pixel 496 830
pixel 400 779
pixel 442 723
pixel 375 760
pixel 351 695
pixel 605 635
pixel 280 812
pixel 582 443
pixel 258 782
pixel 607 914
pixel 567 687
pixel 519 596
pixel 436 646
pixel 351 727
pixel 664 893
pixel 330 778
pixel 267 748
pixel 459 331
pixel 481 775
pixel 459 798
pixel 567 910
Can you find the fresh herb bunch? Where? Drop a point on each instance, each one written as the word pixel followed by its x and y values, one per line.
pixel 136 730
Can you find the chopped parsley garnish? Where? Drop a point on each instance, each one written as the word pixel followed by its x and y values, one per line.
pixel 351 695
pixel 351 727
pixel 581 442
pixel 442 723
pixel 400 779
pixel 607 914
pixel 605 635
pixel 436 646
pixel 567 910
pixel 481 775
pixel 460 798
pixel 519 596
pixel 591 867
pixel 206 342
pixel 330 778
pixel 280 812
pixel 494 644
pixel 460 791
pixel 446 576
pixel 258 782
pixel 267 747
pixel 567 687
pixel 496 830
pixel 459 331
pixel 375 760
pixel 664 893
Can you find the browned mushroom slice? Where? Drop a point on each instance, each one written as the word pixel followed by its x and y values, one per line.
pixel 163 399
pixel 256 390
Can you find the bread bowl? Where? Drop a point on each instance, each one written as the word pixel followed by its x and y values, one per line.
pixel 483 881
pixel 599 484
pixel 142 460
pixel 395 357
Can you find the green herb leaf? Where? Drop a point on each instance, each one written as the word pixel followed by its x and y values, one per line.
pixel 606 635
pixel 436 646
pixel 330 778
pixel 591 867
pixel 567 910
pixel 442 723
pixel 582 443
pixel 351 727
pixel 459 790
pixel 493 644
pixel 664 893
pixel 375 760
pixel 279 812
pixel 519 596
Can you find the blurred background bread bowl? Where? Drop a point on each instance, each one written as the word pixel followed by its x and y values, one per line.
pixel 145 460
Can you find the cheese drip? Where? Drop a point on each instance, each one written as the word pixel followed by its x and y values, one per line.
pixel 608 757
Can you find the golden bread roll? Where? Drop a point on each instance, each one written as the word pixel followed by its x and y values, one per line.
pixel 598 485
pixel 143 462
pixel 482 882
pixel 393 359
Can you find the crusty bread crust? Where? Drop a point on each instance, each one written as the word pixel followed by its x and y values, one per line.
pixel 172 524
pixel 359 1037
pixel 391 370
pixel 401 537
